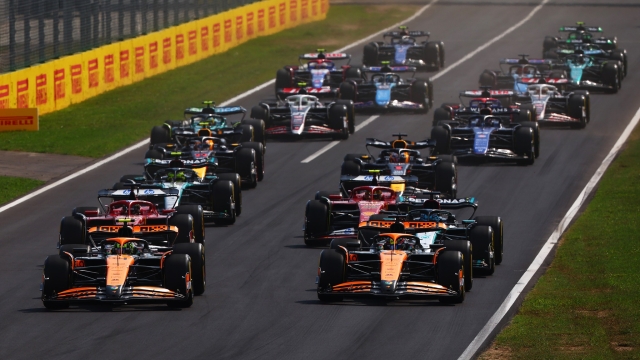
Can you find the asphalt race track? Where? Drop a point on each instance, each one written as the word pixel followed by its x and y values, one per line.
pixel 260 300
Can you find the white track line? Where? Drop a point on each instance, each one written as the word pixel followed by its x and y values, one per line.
pixel 486 331
pixel 146 141
pixel 334 143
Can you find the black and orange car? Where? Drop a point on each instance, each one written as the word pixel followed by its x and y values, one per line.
pixel 124 270
pixel 397 266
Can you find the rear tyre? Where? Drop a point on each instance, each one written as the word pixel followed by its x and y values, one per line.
pixel 441 114
pixel 198 265
pixel 184 223
pixel 259 150
pixel 548 44
pixel 258 130
pixel 71 231
pixel 177 272
pixel 524 145
pixel 611 76
pixel 498 242
pixel 246 166
pixel 57 278
pixel 481 237
pixel 370 54
pixel 446 179
pixel 331 273
pixel 160 134
pixel 450 269
pixel 198 220
pixel 420 94
pixel 350 168
pixel 466 249
pixel 337 117
pixel 237 189
pixel 488 78
pixel 222 197
pixel 576 104
pixel 443 139
pixel 283 80
pixel 432 56
pixel 247 133
pixel 153 154
pixel 351 114
pixel 347 91
pixel 316 221
pixel 536 135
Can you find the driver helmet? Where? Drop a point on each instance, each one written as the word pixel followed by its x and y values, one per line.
pixel 135 209
pixel 178 177
pixel 389 243
pixel 128 248
pixel 401 157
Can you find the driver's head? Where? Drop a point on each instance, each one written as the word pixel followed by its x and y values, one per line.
pixel 135 209
pixel 128 248
pixel 180 176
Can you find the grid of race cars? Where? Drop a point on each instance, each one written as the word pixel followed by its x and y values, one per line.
pixel 396 229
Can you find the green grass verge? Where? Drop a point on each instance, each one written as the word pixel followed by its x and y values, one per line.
pixel 586 305
pixel 12 187
pixel 113 120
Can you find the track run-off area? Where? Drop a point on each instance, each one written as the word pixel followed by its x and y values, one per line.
pixel 261 300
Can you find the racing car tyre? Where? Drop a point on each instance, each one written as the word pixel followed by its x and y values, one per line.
pixel 446 179
pixel 246 166
pixel 552 55
pixel 498 242
pixel 349 244
pixel 160 134
pixel 283 80
pixel 370 54
pixel 621 55
pixel 332 271
pixel 481 237
pixel 184 223
pixel 548 44
pixel 222 196
pixel 351 114
pixel 176 269
pixel 82 209
pixel 441 48
pixel 354 73
pixel 575 103
pixel 488 78
pixel 198 265
pixel 449 266
pixel 611 77
pixel 337 113
pixel 524 144
pixel 347 91
pixel 419 94
pixel 350 168
pixel 259 149
pixel 443 139
pixel 533 113
pixel 536 135
pixel 71 231
pixel 449 158
pixel 198 220
pixel 524 115
pixel 57 278
pixel 466 249
pixel 258 131
pixel 153 154
pixel 351 157
pixel 248 133
pixel 260 112
pixel 440 114
pixel 317 220
pixel 432 56
pixel 237 189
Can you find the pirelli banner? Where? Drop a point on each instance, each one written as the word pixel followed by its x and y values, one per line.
pixel 57 84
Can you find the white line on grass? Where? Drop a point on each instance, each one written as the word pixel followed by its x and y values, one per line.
pixel 548 246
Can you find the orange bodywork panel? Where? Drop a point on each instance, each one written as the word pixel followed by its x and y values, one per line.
pixel 118 269
pixel 391 262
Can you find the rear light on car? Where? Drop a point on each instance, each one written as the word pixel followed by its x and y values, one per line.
pixel 353 257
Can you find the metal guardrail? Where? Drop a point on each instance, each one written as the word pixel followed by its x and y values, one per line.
pixel 34 31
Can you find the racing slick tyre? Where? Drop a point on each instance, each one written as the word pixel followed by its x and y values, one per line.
pixel 349 244
pixel 575 104
pixel 283 80
pixel 354 73
pixel 447 179
pixel 198 220
pixel 337 116
pixel 351 114
pixel 587 97
pixel 524 145
pixel 82 210
pixel 351 157
pixel 237 189
pixel 449 158
pixel 449 266
pixel 248 133
pixel 258 130
pixel 177 271
pixel 246 166
pixel 466 249
pixel 129 179
pixel 498 242
pixel 419 94
pixel 620 55
pixel 440 114
pixel 481 237
pixel 347 91
pixel 153 154
pixel 488 78
pixel 316 221
pixel 370 54
pixel 548 44
pixel 184 223
pixel 350 168
pixel 198 268
pixel 160 134
pixel 260 112
pixel 536 135
pixel 443 139
pixel 432 56
pixel 222 197
pixel 611 76
pixel 441 48
pixel 259 149
pixel 56 278
pixel 331 272
pixel 71 231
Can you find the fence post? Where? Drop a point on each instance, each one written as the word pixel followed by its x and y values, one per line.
pixel 26 22
pixel 41 45
pixel 67 26
pixel 12 35
pixel 56 30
